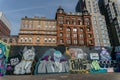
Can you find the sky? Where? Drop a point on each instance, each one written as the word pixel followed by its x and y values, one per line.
pixel 14 10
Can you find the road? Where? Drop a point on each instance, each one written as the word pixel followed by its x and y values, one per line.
pixel 103 76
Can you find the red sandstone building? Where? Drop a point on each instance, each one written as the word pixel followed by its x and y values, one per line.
pixel 68 29
pixel 4 25
pixel 74 29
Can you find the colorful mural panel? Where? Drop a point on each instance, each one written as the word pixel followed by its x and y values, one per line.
pixel 24 67
pixel 4 53
pixel 52 62
pixel 79 66
pixel 60 59
pixel 75 53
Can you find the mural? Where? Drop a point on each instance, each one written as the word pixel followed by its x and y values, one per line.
pixel 75 53
pixel 77 60
pixel 4 53
pixel 57 59
pixel 117 55
pixel 95 67
pixel 105 55
pixel 52 62
pixel 24 67
pixel 79 66
pixel 94 56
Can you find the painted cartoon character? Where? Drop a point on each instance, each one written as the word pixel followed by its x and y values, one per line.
pixel 57 57
pixel 2 59
pixel 52 62
pixel 76 53
pixel 105 55
pixel 80 54
pixel 24 67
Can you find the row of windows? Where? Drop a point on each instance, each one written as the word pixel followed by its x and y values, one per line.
pixel 9 40
pixel 74 29
pixel 38 40
pixel 38 22
pixel 75 42
pixel 49 40
pixel 74 23
pixel 39 26
pixel 73 19
pixel 38 32
pixel 74 35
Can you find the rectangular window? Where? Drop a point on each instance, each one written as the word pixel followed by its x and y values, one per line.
pixel 75 42
pixel 68 35
pixel 60 22
pixel 61 17
pixel 81 35
pixel 75 35
pixel 81 42
pixel 68 41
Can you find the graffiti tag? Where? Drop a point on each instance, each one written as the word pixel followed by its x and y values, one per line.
pixel 79 65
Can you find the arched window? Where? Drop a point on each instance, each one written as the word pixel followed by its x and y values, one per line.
pixel 89 35
pixel 49 39
pixel 61 34
pixel 53 40
pixel 68 29
pixel 38 40
pixel 81 29
pixel 87 19
pixel 21 40
pixel 45 39
pixel 30 39
pixel 61 27
pixel 74 29
pixel 26 39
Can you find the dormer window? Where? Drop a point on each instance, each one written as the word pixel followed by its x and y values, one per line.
pixel 60 9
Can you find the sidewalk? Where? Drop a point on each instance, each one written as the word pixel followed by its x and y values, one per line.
pixel 104 76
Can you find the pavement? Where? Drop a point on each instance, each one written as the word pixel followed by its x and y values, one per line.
pixel 98 76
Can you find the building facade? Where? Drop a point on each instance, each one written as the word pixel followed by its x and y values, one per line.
pixel 98 21
pixel 37 32
pixel 12 39
pixel 5 25
pixel 110 8
pixel 74 28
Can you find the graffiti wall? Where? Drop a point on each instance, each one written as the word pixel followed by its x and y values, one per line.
pixel 34 60
pixel 4 53
pixel 31 59
pixel 52 61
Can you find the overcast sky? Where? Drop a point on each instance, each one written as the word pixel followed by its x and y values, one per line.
pixel 16 9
